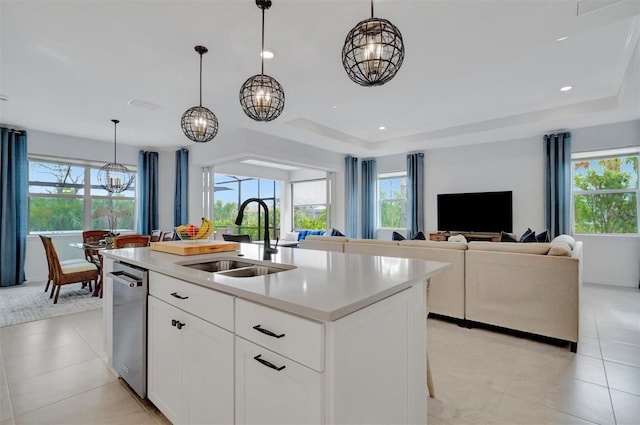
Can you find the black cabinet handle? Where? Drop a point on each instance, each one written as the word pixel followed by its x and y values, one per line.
pixel 175 294
pixel 174 322
pixel 180 325
pixel 268 364
pixel 267 332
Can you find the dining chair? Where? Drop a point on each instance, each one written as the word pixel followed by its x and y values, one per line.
pixel 51 272
pixel 168 236
pixel 156 235
pixel 82 271
pixel 131 241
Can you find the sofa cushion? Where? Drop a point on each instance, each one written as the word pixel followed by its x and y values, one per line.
pixel 565 238
pixel 303 233
pixel 334 232
pixel 395 236
pixel 560 248
pixel 435 244
pixel 374 241
pixel 508 237
pixel 419 237
pixel 327 238
pixel 291 236
pixel 543 236
pixel 528 248
pixel 528 236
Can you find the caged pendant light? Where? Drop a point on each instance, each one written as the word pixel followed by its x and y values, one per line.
pixel 115 178
pixel 199 123
pixel 261 96
pixel 373 51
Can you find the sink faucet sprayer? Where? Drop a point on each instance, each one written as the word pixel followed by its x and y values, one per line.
pixel 267 242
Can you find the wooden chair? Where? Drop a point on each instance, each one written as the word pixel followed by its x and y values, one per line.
pixel 156 235
pixel 168 236
pixel 79 272
pixel 131 241
pixel 94 237
pixel 51 272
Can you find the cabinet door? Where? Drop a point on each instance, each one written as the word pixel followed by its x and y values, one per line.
pixel 208 373
pixel 164 368
pixel 264 395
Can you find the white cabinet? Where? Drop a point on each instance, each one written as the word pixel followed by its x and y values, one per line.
pixel 190 361
pixel 271 389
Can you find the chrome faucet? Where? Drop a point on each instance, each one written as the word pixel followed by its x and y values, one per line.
pixel 266 255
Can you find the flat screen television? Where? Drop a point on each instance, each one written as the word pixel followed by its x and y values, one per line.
pixel 475 212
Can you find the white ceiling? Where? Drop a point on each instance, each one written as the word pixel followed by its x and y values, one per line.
pixel 474 70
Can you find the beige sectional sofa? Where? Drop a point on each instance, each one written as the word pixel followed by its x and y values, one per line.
pixel 529 287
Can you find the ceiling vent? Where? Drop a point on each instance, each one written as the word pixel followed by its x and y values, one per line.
pixel 144 105
pixel 588 6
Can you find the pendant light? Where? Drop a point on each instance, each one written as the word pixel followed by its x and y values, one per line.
pixel 373 51
pixel 261 96
pixel 199 123
pixel 115 178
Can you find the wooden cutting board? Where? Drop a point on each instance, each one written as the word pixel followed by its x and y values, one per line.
pixel 194 247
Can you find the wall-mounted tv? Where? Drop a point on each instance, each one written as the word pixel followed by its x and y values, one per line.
pixel 475 212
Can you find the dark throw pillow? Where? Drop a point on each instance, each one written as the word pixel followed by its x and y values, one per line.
pixel 543 236
pixel 419 237
pixel 528 236
pixel 395 236
pixel 335 232
pixel 507 237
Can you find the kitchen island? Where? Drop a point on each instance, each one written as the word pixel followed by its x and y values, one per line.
pixel 325 337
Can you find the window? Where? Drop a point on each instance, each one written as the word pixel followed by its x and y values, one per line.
pixel 605 192
pixel 309 204
pixel 231 191
pixel 392 200
pixel 66 196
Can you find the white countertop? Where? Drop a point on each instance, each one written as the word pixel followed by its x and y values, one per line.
pixel 324 286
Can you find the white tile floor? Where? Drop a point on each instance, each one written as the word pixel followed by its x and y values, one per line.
pixel 53 372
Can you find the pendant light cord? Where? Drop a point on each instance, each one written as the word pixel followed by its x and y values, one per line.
pixel 115 142
pixel 262 51
pixel 372 8
pixel 201 79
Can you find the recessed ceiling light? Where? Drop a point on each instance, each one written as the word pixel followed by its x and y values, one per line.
pixel 382 127
pixel 562 38
pixel 334 107
pixel 566 88
pixel 268 53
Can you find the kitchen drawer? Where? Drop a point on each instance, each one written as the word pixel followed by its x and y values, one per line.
pixel 292 336
pixel 210 305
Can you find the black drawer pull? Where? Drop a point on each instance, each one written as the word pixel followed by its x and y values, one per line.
pixel 174 322
pixel 180 325
pixel 268 364
pixel 175 294
pixel 267 332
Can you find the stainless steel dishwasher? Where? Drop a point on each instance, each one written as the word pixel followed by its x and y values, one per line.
pixel 130 288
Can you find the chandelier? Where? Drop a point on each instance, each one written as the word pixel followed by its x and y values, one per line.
pixel 373 51
pixel 114 177
pixel 199 123
pixel 261 96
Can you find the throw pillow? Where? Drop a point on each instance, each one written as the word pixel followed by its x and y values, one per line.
pixel 560 248
pixel 335 232
pixel 419 237
pixel 528 236
pixel 291 236
pixel 508 237
pixel 543 236
pixel 565 238
pixel 395 236
pixel 457 238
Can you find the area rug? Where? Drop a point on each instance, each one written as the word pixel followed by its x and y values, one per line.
pixel 28 302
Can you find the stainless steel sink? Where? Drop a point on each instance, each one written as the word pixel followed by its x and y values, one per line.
pixel 235 268
pixel 218 265
pixel 252 271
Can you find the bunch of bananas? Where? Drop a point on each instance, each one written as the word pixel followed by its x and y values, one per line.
pixel 191 231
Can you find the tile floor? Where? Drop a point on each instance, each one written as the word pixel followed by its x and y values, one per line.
pixel 53 372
